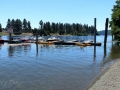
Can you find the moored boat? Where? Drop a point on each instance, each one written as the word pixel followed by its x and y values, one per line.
pixel 64 43
pixel 72 41
pixel 54 39
pixel 83 44
pixel 43 42
pixel 1 40
pixel 96 44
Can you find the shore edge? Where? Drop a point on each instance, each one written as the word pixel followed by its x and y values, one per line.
pixel 97 83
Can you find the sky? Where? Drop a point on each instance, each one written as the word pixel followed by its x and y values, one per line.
pixel 63 11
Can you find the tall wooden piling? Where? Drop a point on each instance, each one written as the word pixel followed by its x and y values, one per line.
pixel 37 41
pixel 10 30
pixel 106 30
pixel 94 37
pixel 95 30
pixel 9 38
pixel 36 36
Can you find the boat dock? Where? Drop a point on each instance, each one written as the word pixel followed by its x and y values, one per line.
pixel 15 41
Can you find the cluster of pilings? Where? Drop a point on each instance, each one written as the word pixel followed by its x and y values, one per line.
pixel 105 37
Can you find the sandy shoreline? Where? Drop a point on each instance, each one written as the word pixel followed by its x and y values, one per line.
pixel 109 79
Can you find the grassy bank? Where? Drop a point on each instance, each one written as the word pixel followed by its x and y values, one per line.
pixel 5 33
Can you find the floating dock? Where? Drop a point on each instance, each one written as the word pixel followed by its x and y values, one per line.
pixel 55 43
pixel 64 43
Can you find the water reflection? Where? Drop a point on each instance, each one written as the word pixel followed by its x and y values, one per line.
pixel 36 49
pixel 115 52
pixel 105 52
pixel 12 50
pixel 94 52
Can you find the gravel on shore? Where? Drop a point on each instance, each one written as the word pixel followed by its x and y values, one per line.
pixel 109 79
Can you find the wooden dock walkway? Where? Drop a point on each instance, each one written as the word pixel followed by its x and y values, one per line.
pixel 55 43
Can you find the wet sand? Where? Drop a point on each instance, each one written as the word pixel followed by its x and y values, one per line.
pixel 109 79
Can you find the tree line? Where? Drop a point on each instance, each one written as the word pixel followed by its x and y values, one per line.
pixel 46 28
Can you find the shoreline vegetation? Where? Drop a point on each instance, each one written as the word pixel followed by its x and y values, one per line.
pixel 47 28
pixel 5 33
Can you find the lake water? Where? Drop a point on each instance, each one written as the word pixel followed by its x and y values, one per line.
pixel 54 67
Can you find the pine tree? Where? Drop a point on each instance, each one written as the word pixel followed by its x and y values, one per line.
pixel 41 23
pixel 25 25
pixel 115 20
pixel 29 26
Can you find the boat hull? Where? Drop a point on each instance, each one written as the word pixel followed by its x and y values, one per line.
pixel 83 44
pixel 64 43
pixel 96 44
pixel 45 42
pixel 1 41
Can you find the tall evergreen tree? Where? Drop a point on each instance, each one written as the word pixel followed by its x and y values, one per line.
pixel 44 27
pixel 53 28
pixel 41 23
pixel 29 26
pixel 8 23
pixel 115 20
pixel 56 27
pixel 17 25
pixel 25 24
pixel 13 24
pixel 48 26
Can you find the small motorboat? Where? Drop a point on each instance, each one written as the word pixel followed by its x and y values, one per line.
pixel 1 40
pixel 83 44
pixel 87 41
pixel 54 39
pixel 44 42
pixel 73 41
pixel 39 38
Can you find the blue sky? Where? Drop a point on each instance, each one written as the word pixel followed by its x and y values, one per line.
pixel 64 11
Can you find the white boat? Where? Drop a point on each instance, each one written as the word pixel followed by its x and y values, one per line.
pixel 54 39
pixel 73 41
pixel 87 41
pixel 39 38
pixel 24 38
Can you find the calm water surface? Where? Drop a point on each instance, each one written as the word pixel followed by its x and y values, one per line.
pixel 54 67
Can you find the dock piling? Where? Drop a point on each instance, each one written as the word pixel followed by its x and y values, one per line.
pixel 9 38
pixel 95 37
pixel 106 30
pixel 95 30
